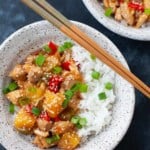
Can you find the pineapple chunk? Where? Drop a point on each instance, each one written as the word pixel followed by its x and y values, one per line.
pixel 34 93
pixel 24 121
pixel 69 141
pixel 53 103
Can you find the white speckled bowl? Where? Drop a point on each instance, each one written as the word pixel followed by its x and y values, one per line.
pixel 97 11
pixel 30 38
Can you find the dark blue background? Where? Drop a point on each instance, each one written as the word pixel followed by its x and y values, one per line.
pixel 13 15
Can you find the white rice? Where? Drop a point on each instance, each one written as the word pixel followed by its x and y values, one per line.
pixel 97 112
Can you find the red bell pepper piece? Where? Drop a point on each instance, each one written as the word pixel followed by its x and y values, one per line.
pixel 66 65
pixel 53 48
pixel 56 119
pixel 136 6
pixel 44 115
pixel 54 83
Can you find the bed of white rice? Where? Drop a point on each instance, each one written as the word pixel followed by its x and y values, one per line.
pixel 97 112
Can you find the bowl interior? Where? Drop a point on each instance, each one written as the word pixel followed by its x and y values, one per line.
pixel 32 37
pixel 97 10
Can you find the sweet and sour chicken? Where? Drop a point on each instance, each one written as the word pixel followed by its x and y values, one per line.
pixel 46 88
pixel 134 12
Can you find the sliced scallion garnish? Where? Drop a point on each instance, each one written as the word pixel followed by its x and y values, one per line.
pixel 65 46
pixel 46 48
pixel 108 12
pixel 108 85
pixel 79 126
pixel 102 96
pixel 36 111
pixel 95 75
pixel 79 121
pixel 75 119
pixel 69 94
pixel 83 121
pixel 11 87
pixel 6 90
pixel 40 59
pixel 65 103
pixel 11 108
pixel 53 139
pixel 83 88
pixel 76 87
pixel 57 70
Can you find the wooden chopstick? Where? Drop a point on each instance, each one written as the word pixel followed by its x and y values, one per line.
pixel 51 14
pixel 67 23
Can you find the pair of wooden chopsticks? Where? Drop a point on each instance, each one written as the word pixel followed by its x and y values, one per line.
pixel 49 13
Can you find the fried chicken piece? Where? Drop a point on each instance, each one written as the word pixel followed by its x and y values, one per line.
pixel 61 127
pixel 44 125
pixel 14 96
pixel 127 13
pixel 118 16
pixel 34 74
pixel 18 73
pixel 142 19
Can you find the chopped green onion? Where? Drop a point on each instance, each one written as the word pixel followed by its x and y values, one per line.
pixel 79 126
pixel 32 89
pixel 57 70
pixel 75 87
pixel 83 121
pixel 93 57
pixel 36 111
pixel 102 96
pixel 78 121
pixel 69 94
pixel 6 90
pixel 11 87
pixel 24 101
pixel 53 139
pixel 65 46
pixel 40 59
pixel 95 75
pixel 48 140
pixel 147 11
pixel 46 48
pixel 65 103
pixel 68 44
pixel 75 119
pixel 108 85
pixel 83 88
pixel 108 12
pixel 11 108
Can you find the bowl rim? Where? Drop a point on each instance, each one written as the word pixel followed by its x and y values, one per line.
pixel 92 30
pixel 141 34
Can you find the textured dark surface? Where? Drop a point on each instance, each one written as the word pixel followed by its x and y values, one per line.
pixel 13 15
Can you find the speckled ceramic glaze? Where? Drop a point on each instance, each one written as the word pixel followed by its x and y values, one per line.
pixel 32 37
pixel 97 11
